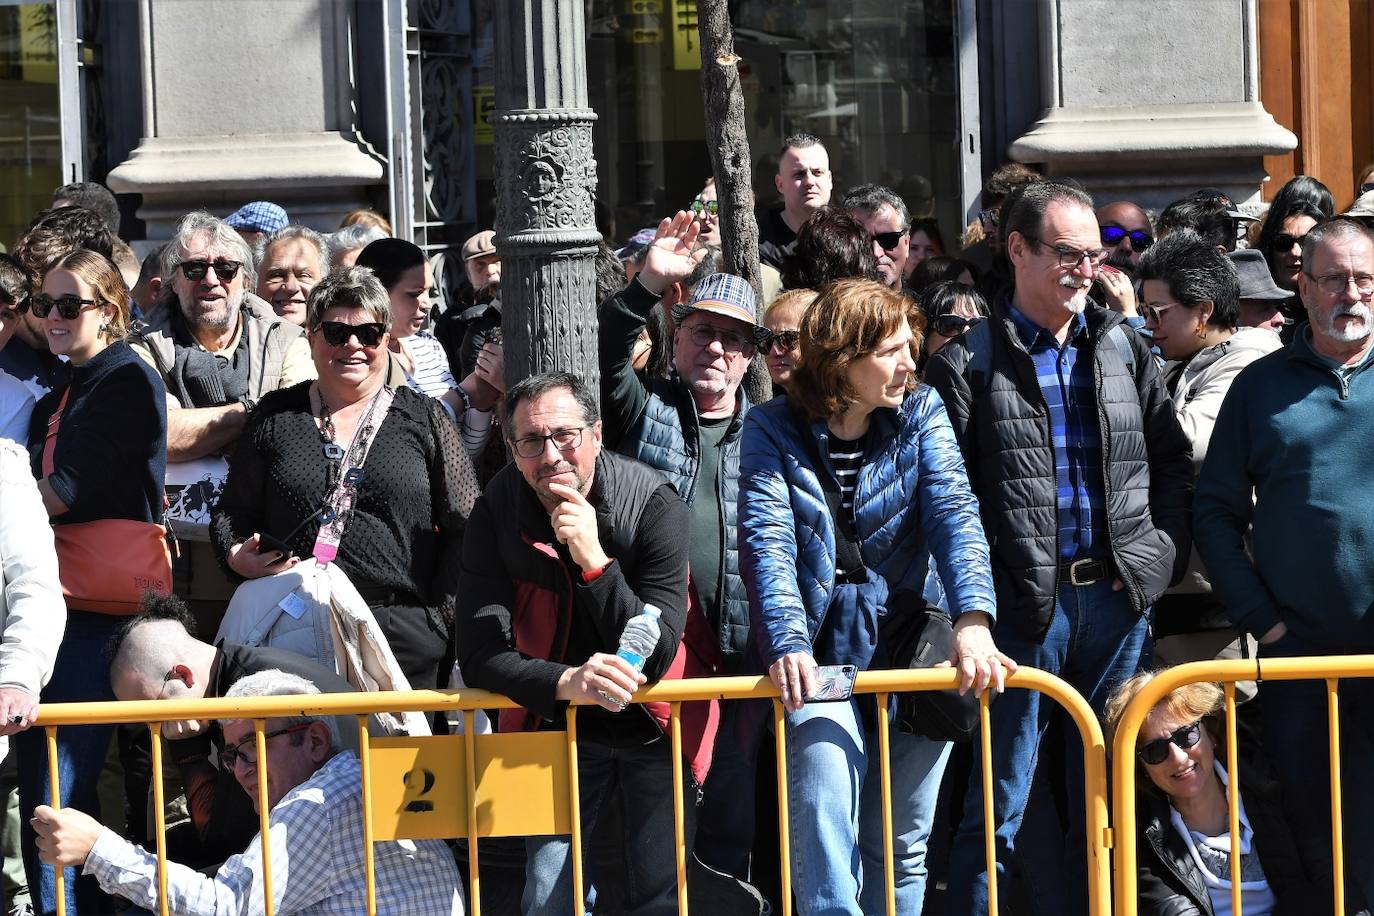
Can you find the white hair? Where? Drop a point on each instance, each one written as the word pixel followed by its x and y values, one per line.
pixel 348 238
pixel 277 683
pixel 202 222
pixel 293 232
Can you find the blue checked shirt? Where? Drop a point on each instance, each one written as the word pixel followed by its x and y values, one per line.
pixel 317 862
pixel 1070 391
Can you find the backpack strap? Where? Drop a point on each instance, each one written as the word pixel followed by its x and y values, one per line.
pixel 849 560
pixel 1117 335
pixel 978 344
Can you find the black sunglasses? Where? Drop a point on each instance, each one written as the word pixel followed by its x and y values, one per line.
pixel 887 241
pixel 786 340
pixel 1157 751
pixel 1285 242
pixel 1140 239
pixel 953 325
pixel 225 269
pixel 67 306
pixel 336 333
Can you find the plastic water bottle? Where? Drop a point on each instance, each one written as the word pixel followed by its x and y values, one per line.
pixel 638 641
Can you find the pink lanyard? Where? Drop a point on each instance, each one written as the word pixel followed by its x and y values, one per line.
pixel 350 478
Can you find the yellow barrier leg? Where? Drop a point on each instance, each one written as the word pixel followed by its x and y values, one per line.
pixel 784 839
pixel 679 824
pixel 989 809
pixel 159 818
pixel 55 799
pixel 885 773
pixel 575 809
pixel 1333 718
pixel 369 860
pixel 264 810
pixel 470 754
pixel 1233 795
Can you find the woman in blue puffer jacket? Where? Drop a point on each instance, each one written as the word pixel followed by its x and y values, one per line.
pixel 885 448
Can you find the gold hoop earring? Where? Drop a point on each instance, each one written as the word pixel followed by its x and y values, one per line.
pixel 1201 331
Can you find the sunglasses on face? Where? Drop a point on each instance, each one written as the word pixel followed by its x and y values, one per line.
pixel 887 241
pixel 67 306
pixel 1285 242
pixel 953 325
pixel 1140 239
pixel 786 341
pixel 703 335
pixel 990 218
pixel 246 751
pixel 224 268
pixel 1157 751
pixel 712 207
pixel 336 333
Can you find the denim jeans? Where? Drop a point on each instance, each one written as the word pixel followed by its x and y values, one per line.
pixel 643 777
pixel 1293 721
pixel 835 812
pixel 1094 642
pixel 81 673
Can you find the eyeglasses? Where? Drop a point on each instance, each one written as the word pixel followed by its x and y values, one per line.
pixel 990 218
pixel 234 754
pixel 565 440
pixel 67 306
pixel 1140 239
pixel 953 325
pixel 1157 751
pixel 786 341
pixel 703 335
pixel 1335 284
pixel 224 268
pixel 712 207
pixel 336 333
pixel 1072 257
pixel 1285 242
pixel 888 241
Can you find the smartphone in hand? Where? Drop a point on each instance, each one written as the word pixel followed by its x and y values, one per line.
pixel 835 683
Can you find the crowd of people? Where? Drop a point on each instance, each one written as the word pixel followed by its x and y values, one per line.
pixel 1092 440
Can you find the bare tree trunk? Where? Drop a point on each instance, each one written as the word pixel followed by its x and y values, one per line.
pixel 728 144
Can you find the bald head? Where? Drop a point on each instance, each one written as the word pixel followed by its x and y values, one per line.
pixel 1119 222
pixel 158 659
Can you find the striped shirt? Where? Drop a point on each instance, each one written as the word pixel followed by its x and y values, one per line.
pixel 432 377
pixel 1069 386
pixel 316 834
pixel 847 456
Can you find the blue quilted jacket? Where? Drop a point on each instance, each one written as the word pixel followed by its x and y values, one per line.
pixel 913 502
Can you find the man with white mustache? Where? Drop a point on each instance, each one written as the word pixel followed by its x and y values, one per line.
pixel 1084 477
pixel 1288 462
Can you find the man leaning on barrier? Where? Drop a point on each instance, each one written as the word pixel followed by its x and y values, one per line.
pixel 1284 523
pixel 315 831
pixel 567 544
pixel 155 656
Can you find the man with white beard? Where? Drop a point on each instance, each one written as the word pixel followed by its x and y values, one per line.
pixel 1084 479
pixel 218 349
pixel 1288 462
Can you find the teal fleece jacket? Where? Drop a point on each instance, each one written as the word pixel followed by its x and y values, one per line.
pixel 1297 436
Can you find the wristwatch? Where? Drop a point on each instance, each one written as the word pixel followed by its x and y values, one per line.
pixel 248 403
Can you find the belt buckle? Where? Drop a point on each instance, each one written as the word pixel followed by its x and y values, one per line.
pixel 1073 572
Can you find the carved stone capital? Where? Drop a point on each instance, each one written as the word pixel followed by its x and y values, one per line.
pixel 552 174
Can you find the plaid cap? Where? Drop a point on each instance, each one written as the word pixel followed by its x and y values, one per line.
pixel 259 216
pixel 722 294
pixel 1255 279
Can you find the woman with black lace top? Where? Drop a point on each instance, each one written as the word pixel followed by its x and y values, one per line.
pixel 397 526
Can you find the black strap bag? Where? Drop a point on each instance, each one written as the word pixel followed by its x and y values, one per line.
pixel 912 634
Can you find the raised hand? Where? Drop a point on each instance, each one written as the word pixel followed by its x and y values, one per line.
pixel 671 258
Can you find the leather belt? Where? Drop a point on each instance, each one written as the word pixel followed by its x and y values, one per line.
pixel 1085 572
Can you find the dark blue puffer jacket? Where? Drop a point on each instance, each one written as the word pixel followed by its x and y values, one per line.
pixel 913 501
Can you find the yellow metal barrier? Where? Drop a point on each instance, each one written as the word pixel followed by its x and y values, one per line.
pixel 532 807
pixel 1330 669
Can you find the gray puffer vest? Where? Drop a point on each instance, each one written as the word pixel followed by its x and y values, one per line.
pixel 666 437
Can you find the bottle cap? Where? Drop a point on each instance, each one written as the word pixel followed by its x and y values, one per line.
pixel 652 611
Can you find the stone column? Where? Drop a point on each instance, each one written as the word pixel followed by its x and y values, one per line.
pixel 1133 115
pixel 249 100
pixel 545 184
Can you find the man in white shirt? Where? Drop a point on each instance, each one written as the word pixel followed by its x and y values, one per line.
pixel 315 829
